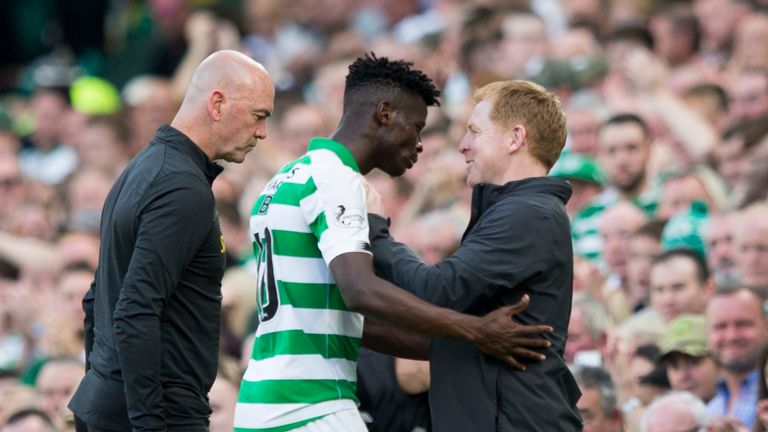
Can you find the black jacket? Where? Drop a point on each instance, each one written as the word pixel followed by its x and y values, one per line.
pixel 384 405
pixel 518 241
pixel 153 311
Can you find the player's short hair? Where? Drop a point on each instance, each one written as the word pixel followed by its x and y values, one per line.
pixel 533 106
pixel 623 118
pixel 714 91
pixel 379 73
pixel 23 414
pixel 702 272
pixel 651 229
pixel 692 404
pixel 593 314
pixel 589 377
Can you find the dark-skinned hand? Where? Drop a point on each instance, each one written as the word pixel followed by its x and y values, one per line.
pixel 498 335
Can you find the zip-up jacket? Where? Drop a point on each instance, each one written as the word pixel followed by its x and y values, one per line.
pixel 153 310
pixel 518 241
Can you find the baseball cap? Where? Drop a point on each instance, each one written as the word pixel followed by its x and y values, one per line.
pixel 686 334
pixel 578 166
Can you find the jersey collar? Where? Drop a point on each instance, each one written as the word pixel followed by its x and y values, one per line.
pixel 176 138
pixel 337 148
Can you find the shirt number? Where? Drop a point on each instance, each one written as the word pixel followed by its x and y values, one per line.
pixel 268 298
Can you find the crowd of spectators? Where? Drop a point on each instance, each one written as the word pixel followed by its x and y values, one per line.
pixel 667 105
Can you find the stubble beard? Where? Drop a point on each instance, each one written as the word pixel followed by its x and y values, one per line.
pixel 632 187
pixel 742 364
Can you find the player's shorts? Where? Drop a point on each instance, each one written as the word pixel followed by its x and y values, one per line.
pixel 340 421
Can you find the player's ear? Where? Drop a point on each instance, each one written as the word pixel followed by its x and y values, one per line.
pixel 516 138
pixel 215 100
pixel 384 113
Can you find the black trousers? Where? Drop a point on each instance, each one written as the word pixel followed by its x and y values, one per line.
pixel 90 428
pixel 81 426
pixel 95 429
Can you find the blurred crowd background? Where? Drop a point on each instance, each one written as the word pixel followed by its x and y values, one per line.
pixel 667 105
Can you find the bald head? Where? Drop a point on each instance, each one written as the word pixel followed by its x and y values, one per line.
pixel 674 411
pixel 226 105
pixel 222 70
pixel 624 214
pixel 617 223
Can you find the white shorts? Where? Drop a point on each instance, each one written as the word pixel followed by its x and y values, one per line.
pixel 341 421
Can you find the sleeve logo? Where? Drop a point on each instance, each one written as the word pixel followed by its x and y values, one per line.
pixel 349 217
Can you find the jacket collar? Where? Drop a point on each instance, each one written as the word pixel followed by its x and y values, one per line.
pixel 486 195
pixel 173 137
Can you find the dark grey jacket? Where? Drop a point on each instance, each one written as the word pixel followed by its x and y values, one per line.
pixel 153 311
pixel 518 241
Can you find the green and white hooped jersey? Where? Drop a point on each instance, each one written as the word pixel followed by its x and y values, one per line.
pixel 303 364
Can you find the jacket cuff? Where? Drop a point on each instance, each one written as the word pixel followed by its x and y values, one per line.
pixel 378 226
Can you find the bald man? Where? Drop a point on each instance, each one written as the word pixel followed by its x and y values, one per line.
pixel 153 310
pixel 616 224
